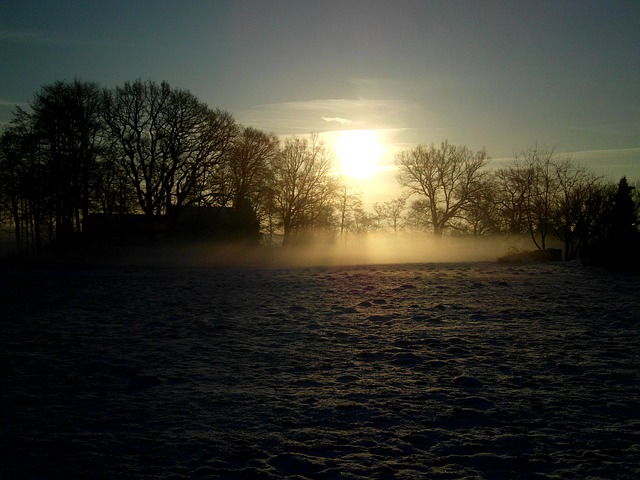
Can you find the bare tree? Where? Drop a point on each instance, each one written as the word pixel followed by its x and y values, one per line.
pixel 535 169
pixel 324 218
pixel 543 185
pixel 200 148
pixel 173 145
pixel 301 185
pixel 134 114
pixel 249 164
pixel 67 117
pixel 575 185
pixel 114 193
pixel 390 212
pixel 417 218
pixel 511 200
pixel 447 178
pixel 547 195
pixel 480 215
pixel 26 190
pixel 348 205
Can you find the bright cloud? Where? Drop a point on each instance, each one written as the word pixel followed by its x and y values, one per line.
pixel 341 121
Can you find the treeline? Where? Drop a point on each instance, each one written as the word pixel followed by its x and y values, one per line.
pixel 540 194
pixel 152 149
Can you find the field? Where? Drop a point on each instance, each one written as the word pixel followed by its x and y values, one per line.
pixel 435 370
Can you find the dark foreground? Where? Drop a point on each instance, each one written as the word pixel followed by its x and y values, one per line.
pixel 406 371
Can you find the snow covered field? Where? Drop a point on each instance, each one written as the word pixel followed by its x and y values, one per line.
pixel 470 370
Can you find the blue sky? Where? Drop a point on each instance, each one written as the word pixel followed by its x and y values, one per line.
pixel 500 75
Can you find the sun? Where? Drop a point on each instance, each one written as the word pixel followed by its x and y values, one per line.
pixel 359 152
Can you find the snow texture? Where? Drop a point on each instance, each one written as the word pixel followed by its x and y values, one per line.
pixel 441 371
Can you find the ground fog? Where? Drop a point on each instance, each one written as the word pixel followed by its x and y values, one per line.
pixel 367 249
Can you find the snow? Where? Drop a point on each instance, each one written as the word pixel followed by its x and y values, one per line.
pixel 467 370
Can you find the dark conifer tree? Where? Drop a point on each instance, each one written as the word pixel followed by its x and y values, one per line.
pixel 617 239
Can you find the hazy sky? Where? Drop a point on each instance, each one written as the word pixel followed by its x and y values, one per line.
pixel 503 75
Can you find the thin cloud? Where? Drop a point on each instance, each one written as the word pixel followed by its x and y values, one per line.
pixel 29 36
pixel 11 103
pixel 610 151
pixel 608 158
pixel 623 128
pixel 304 117
pixel 611 163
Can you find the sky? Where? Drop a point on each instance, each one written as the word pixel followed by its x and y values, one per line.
pixel 500 75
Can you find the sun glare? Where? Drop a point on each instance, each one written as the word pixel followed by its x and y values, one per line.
pixel 359 152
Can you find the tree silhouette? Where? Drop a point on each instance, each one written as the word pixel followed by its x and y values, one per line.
pixel 390 213
pixel 615 241
pixel 349 204
pixel 25 186
pixel 301 186
pixel 534 169
pixel 244 224
pixel 114 193
pixel 480 216
pixel 67 117
pixel 571 213
pixel 249 164
pixel 447 178
pixel 172 146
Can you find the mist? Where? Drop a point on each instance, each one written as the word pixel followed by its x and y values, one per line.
pixel 354 250
pixel 367 249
